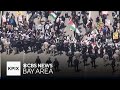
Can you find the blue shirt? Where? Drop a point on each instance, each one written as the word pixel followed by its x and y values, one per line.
pixel 104 30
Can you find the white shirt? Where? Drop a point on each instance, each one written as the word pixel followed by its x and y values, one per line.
pixel 39 27
pixel 78 14
pixel 47 26
pixel 23 35
pixel 50 24
pixel 3 18
pixel 58 19
pixel 68 39
pixel 20 18
pixel 3 39
pixel 27 37
pixel 41 36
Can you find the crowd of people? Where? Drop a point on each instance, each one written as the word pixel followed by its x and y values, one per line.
pixel 50 37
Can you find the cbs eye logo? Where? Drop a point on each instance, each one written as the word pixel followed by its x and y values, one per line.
pixel 13 68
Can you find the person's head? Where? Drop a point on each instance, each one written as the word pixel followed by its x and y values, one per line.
pixel 55 59
pixel 37 56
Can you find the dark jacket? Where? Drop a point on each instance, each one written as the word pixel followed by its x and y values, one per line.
pixel 38 61
pixel 76 62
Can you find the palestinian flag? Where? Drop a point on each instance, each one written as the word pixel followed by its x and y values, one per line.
pixel 73 27
pixel 53 15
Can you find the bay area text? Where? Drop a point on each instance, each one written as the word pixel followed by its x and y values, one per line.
pixel 33 68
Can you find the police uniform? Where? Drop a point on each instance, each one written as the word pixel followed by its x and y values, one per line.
pixel 93 57
pixel 76 64
pixel 70 60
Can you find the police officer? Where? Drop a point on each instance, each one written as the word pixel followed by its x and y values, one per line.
pixel 96 50
pixel 32 43
pixel 66 48
pixel 25 45
pixel 38 45
pixel 110 53
pixel 70 60
pixel 113 65
pixel 93 57
pixel 76 64
pixel 113 48
pixel 84 49
pixel 49 61
pixel 85 57
pixel 37 61
pixel 78 46
pixel 90 49
pixel 56 65
pixel 72 47
pixel 19 45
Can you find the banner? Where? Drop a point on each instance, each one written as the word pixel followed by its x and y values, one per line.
pixel 115 35
pixel 104 12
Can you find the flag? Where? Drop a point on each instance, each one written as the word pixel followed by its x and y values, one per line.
pixel 53 15
pixel 73 27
